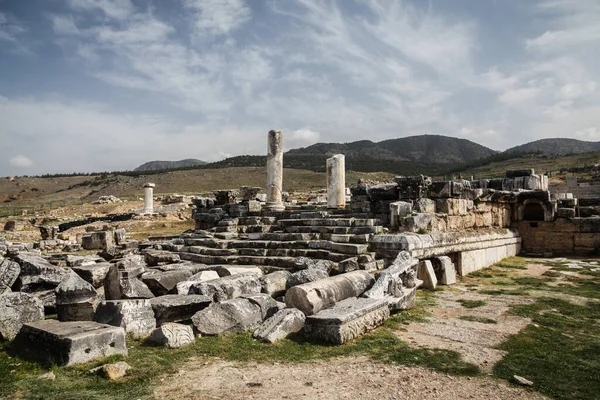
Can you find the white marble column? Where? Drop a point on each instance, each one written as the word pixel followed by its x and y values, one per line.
pixel 336 181
pixel 149 198
pixel 274 171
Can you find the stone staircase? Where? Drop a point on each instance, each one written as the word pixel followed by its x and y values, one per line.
pixel 340 237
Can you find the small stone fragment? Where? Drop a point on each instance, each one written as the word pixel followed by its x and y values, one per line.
pixel 280 325
pixel 116 371
pixel 522 381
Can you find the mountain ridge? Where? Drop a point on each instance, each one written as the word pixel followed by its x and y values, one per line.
pixel 160 165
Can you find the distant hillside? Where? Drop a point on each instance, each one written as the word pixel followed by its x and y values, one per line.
pixel 160 165
pixel 558 146
pixel 427 149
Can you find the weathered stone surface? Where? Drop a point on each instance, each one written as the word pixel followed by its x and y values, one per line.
pixel 175 308
pixel 388 191
pixel 17 309
pixel 268 305
pixel 93 273
pixel 336 181
pixel 116 371
pixel 228 287
pixel 395 276
pixel 424 205
pixel 161 283
pixel 398 210
pixel 228 270
pixel 311 263
pixel 9 272
pixel 349 265
pixel 37 273
pixel 306 276
pixel 566 213
pixel 310 298
pixel 158 257
pixel 76 299
pixel 67 343
pixel 172 335
pixel 347 320
pixel 280 325
pixel 275 171
pixel 444 270
pixel 135 316
pixel 275 283
pixel 97 240
pixel 120 285
pixel 202 276
pixel 230 316
pixel 426 273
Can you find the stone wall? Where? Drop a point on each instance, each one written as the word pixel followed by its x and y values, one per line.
pixel 579 236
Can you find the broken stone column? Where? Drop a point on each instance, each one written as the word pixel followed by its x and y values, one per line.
pixel 76 299
pixel 149 198
pixel 135 316
pixel 275 171
pixel 336 181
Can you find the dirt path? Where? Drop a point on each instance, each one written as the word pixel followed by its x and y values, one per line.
pixel 342 378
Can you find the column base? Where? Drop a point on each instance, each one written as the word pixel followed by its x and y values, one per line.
pixel 279 206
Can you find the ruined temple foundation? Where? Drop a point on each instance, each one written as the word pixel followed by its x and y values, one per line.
pixel 149 198
pixel 274 171
pixel 336 181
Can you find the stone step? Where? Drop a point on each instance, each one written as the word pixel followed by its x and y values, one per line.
pixel 349 248
pixel 284 237
pixel 208 242
pixel 345 222
pixel 254 228
pixel 209 251
pixel 357 230
pixel 273 261
pixel 346 238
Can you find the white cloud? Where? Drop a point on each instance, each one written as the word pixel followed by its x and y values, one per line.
pixel 591 133
pixel 219 17
pixel 300 138
pixel 63 25
pixel 20 161
pixel 117 9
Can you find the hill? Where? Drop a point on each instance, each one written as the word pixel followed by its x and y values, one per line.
pixel 560 146
pixel 426 149
pixel 161 165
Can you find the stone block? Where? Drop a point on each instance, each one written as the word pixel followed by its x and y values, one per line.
pixel 230 316
pixel 426 273
pixel 306 276
pixel 398 210
pixel 441 190
pixel 17 309
pixel 424 205
pixel 9 272
pixel 228 287
pixel 275 283
pixel 173 335
pixel 310 298
pixel 404 299
pixel 119 284
pixel 444 270
pixel 158 257
pixel 68 343
pixel 37 273
pixel 228 270
pixel 135 316
pixel 93 273
pixel 176 308
pixel 565 213
pixel 76 299
pixel 97 240
pixel 280 325
pixel 163 282
pixel 347 320
pixel 202 276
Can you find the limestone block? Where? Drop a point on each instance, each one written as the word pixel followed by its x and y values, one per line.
pixel 444 270
pixel 280 325
pixel 94 273
pixel 275 283
pixel 37 273
pixel 119 284
pixel 76 299
pixel 202 276
pixel 387 191
pixel 426 273
pixel 404 299
pixel 68 343
pixel 349 265
pixel 97 240
pixel 268 305
pixel 392 276
pixel 306 276
pixel 347 320
pixel 310 298
pixel 336 181
pixel 9 272
pixel 424 205
pixel 230 316
pixel 120 236
pixel 175 308
pixel 453 206
pixel 440 190
pixel 17 309
pixel 565 213
pixel 158 257
pixel 173 335
pixel 135 316
pixel 399 209
pixel 161 283
pixel 311 263
pixel 228 270
pixel 228 287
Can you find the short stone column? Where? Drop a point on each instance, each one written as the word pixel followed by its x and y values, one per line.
pixel 274 171
pixel 149 198
pixel 336 181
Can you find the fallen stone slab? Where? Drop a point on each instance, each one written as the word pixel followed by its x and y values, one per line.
pixel 202 276
pixel 76 299
pixel 135 316
pixel 268 305
pixel 275 283
pixel 97 240
pixel 426 273
pixel 311 263
pixel 347 320
pixel 172 335
pixel 280 325
pixel 161 283
pixel 9 272
pixel 228 287
pixel 94 273
pixel 68 343
pixel 403 299
pixel 310 298
pixel 230 316
pixel 158 257
pixel 228 270
pixel 394 277
pixel 175 308
pixel 306 276
pixel 37 273
pixel 119 284
pixel 444 270
pixel 17 309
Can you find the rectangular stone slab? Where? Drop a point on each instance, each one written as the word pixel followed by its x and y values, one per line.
pixel 347 320
pixel 67 343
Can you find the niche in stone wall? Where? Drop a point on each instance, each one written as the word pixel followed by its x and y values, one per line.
pixel 533 211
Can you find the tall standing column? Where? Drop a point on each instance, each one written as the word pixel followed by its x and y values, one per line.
pixel 336 181
pixel 274 171
pixel 149 198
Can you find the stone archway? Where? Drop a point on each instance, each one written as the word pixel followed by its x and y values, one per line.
pixel 533 211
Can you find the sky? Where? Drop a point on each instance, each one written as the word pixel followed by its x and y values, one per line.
pixel 104 85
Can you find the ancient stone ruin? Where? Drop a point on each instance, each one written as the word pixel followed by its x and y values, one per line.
pixel 324 269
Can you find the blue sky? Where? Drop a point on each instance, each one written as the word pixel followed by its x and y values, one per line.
pixel 94 85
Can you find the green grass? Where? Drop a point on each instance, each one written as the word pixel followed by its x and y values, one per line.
pixel 513 262
pixel 474 318
pixel 561 353
pixel 506 292
pixel 472 303
pixel 149 362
